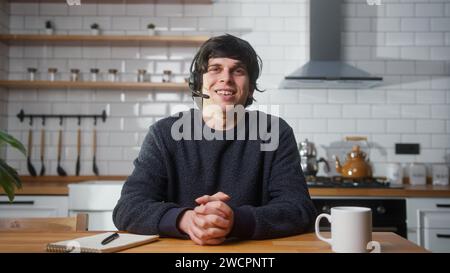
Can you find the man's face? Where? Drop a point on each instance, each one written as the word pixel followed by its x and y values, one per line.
pixel 226 81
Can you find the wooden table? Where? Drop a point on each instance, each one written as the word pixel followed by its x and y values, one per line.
pixel 37 241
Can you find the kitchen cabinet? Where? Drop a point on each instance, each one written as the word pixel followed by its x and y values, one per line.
pixel 428 222
pixel 388 214
pixel 34 206
pixel 97 199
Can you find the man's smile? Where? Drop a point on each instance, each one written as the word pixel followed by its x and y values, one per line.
pixel 225 92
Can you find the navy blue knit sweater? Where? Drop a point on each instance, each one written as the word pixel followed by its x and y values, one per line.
pixel 268 192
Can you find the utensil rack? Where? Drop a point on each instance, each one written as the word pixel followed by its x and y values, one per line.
pixel 61 117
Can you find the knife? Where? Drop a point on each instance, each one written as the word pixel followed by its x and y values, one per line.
pixel 59 168
pixel 42 152
pixel 77 167
pixel 94 147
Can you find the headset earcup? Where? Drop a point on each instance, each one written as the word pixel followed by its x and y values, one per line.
pixel 198 82
pixel 192 81
pixel 195 82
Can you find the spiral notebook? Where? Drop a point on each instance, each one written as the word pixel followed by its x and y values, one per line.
pixel 93 244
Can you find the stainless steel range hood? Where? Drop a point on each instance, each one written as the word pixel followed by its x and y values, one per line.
pixel 325 68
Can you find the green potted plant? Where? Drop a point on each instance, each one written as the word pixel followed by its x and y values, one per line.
pixel 9 178
pixel 95 29
pixel 151 29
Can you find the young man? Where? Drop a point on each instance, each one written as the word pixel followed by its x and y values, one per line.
pixel 229 185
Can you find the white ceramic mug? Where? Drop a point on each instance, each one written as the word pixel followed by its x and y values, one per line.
pixel 351 229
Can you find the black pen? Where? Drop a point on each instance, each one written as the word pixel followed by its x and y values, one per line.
pixel 111 238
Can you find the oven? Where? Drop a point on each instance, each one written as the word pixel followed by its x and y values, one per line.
pixel 388 214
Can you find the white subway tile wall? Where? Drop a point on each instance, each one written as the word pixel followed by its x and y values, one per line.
pixel 405 42
pixel 4 28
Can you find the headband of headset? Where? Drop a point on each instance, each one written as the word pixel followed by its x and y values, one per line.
pixel 195 79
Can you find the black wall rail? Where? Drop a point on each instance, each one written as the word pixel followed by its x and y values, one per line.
pixel 22 116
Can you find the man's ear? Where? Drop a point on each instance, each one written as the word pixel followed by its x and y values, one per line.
pixel 251 90
pixel 249 99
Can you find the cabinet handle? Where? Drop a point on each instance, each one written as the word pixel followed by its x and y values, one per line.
pixel 443 205
pixel 17 203
pixel 447 236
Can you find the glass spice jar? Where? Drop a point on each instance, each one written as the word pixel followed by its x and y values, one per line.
pixel 74 75
pixel 31 73
pixel 94 74
pixel 167 76
pixel 141 75
pixel 52 74
pixel 112 75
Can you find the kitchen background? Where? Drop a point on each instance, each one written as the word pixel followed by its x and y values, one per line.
pixel 405 42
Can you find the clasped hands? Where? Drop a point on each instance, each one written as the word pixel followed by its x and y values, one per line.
pixel 210 222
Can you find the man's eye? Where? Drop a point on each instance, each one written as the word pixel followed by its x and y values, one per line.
pixel 213 69
pixel 240 71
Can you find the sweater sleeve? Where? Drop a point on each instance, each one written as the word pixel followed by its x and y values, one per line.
pixel 289 209
pixel 142 203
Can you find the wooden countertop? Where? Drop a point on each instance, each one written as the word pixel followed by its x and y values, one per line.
pixel 56 185
pixel 306 243
pixel 406 191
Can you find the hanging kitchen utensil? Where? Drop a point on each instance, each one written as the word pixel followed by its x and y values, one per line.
pixel 59 169
pixel 77 166
pixel 30 166
pixel 94 147
pixel 42 172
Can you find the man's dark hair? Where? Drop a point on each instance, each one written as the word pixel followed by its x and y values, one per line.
pixel 226 46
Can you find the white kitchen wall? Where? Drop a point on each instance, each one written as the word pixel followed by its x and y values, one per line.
pixel 406 42
pixel 4 28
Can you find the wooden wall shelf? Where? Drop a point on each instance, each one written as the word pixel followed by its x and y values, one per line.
pixel 92 85
pixel 187 2
pixel 75 40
